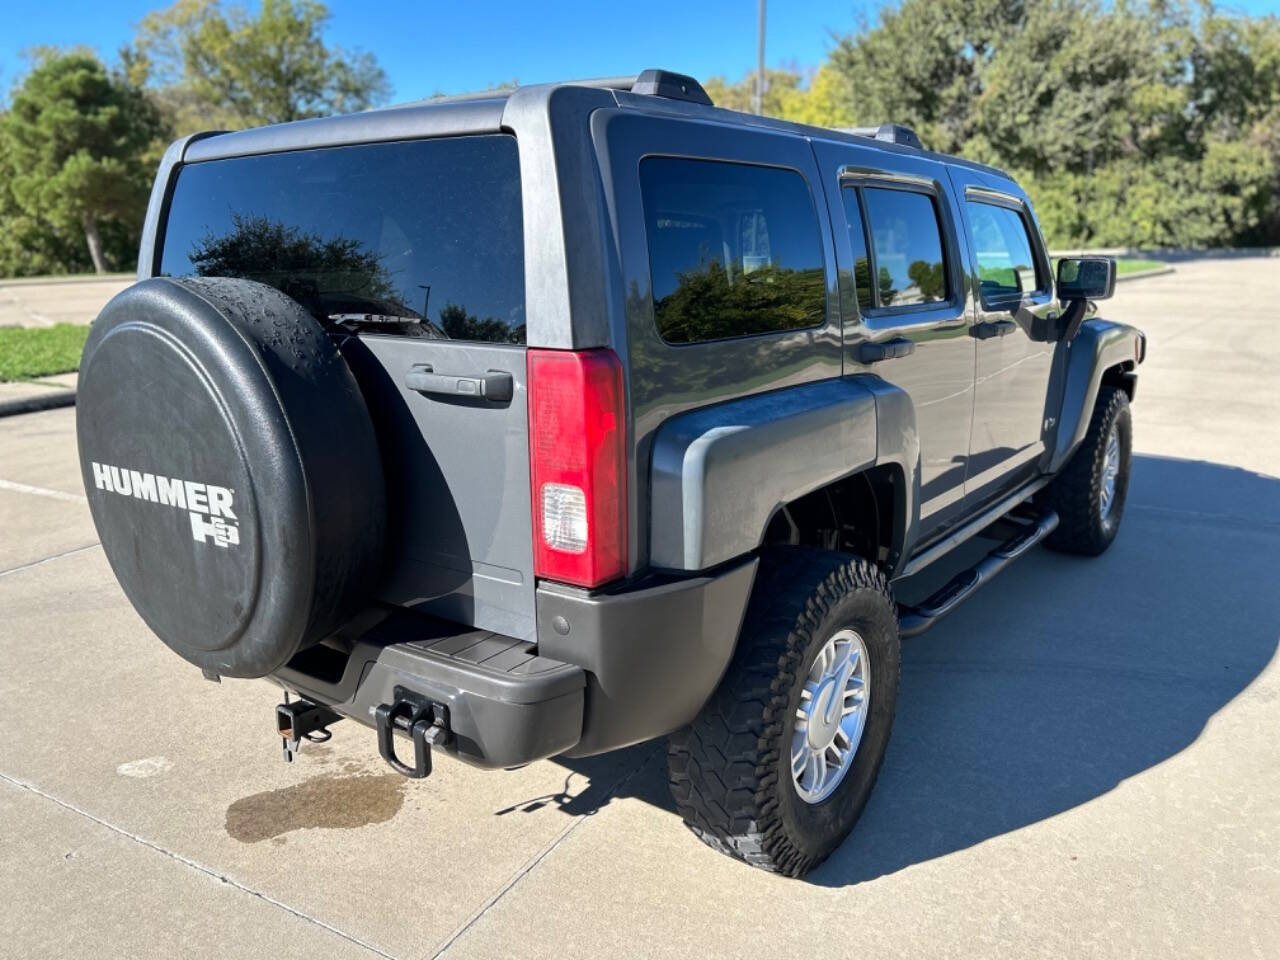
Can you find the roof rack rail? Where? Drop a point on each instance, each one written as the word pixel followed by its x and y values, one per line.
pixel 625 82
pixel 651 83
pixel 672 86
pixel 887 133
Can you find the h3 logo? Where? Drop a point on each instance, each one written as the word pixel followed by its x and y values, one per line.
pixel 222 533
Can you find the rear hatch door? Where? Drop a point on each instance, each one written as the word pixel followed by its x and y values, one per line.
pixel 412 253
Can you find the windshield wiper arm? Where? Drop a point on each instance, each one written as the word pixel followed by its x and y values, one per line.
pixel 386 318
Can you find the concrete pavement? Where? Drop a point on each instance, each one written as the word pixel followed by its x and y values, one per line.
pixel 44 301
pixel 1084 764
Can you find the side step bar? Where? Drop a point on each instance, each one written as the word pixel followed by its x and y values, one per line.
pixel 913 621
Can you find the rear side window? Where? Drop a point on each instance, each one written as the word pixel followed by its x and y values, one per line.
pixel 906 244
pixel 734 249
pixel 421 237
pixel 1007 265
pixel 858 241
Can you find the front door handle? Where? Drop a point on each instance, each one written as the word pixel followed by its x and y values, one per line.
pixel 886 350
pixel 494 385
pixel 995 328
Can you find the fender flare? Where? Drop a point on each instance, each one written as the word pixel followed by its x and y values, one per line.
pixel 719 474
pixel 1098 347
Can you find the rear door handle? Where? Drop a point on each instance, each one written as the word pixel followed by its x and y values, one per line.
pixel 994 328
pixel 886 350
pixel 493 385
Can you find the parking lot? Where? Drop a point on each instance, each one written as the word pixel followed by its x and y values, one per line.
pixel 1085 762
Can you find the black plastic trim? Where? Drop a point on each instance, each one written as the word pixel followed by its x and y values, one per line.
pixel 506 704
pixel 652 656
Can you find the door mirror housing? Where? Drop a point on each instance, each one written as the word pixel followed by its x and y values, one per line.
pixel 1086 278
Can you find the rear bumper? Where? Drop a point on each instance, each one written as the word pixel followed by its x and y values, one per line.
pixel 652 656
pixel 507 705
pixel 610 668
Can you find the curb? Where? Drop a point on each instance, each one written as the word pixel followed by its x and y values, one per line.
pixel 60 279
pixel 49 401
pixel 1143 274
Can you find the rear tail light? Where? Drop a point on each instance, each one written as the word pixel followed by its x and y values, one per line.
pixel 577 459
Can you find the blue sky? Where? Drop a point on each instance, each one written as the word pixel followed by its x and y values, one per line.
pixel 452 47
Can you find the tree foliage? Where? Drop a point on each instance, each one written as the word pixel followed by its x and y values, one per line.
pixel 297 263
pixel 73 148
pixel 80 142
pixel 225 67
pixel 708 304
pixel 1143 124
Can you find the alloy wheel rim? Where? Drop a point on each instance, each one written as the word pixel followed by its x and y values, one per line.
pixel 832 716
pixel 1110 472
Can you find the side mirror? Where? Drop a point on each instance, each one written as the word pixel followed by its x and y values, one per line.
pixel 1086 278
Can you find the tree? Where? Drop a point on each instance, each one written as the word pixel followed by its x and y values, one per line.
pixel 71 148
pixel 783 91
pixel 805 97
pixel 1140 123
pixel 225 67
pixel 306 266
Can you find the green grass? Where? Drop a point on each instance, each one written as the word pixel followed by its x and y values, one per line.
pixel 27 352
pixel 1124 266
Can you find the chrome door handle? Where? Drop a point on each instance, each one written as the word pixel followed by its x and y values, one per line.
pixel 996 328
pixel 886 350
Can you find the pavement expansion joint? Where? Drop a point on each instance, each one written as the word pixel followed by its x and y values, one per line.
pixel 537 858
pixel 57 556
pixel 194 865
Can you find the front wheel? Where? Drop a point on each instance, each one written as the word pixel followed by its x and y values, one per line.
pixel 777 767
pixel 1090 492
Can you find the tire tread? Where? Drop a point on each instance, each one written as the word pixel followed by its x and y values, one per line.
pixel 722 769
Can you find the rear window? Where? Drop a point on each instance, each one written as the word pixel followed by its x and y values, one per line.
pixel 734 250
pixel 422 237
pixel 907 243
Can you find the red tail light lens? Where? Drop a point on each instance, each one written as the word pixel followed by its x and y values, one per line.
pixel 577 459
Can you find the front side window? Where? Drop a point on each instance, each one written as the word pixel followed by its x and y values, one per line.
pixel 906 243
pixel 421 237
pixel 734 249
pixel 1006 262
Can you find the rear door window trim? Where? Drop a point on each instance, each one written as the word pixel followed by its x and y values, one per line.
pixel 917 313
pixel 815 215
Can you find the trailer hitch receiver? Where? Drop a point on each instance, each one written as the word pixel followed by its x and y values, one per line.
pixel 299 720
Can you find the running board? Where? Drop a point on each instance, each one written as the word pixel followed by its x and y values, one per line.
pixel 913 621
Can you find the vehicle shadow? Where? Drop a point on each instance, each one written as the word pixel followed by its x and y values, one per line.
pixel 1068 675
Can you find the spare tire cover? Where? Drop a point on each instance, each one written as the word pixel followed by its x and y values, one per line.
pixel 231 468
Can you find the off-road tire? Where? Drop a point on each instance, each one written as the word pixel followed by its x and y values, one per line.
pixel 729 771
pixel 1076 493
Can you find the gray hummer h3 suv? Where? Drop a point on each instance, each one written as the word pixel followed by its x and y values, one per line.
pixel 546 422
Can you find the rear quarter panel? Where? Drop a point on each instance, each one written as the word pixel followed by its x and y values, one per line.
pixel 664 380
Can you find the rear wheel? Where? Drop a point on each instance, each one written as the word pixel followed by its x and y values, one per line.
pixel 777 767
pixel 1090 492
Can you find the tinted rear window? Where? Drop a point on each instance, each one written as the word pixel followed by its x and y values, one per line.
pixel 423 236
pixel 907 242
pixel 734 250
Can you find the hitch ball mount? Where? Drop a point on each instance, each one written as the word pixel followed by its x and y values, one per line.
pixel 425 721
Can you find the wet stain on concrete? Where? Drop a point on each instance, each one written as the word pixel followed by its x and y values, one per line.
pixel 330 801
